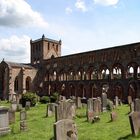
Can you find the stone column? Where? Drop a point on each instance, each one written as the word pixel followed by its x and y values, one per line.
pixel 23 81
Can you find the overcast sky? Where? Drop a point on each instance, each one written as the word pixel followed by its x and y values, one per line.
pixel 82 25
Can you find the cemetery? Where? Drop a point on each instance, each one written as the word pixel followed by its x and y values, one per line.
pixel 98 119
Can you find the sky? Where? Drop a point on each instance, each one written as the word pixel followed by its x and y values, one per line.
pixel 82 25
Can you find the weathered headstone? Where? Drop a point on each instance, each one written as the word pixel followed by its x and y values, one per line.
pixel 62 98
pixel 113 116
pixel 116 101
pixel 131 107
pixel 137 104
pixel 110 105
pixel 23 115
pixel 134 119
pixel 4 121
pixel 78 102
pixel 11 116
pixel 14 106
pixel 129 98
pixel 97 106
pixel 104 101
pixel 65 130
pixel 50 109
pixel 90 113
pixel 23 123
pixel 19 107
pixel 27 105
pixel 64 110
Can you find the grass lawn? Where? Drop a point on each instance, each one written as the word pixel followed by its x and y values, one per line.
pixel 41 128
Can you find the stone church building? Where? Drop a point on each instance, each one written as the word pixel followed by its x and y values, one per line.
pixel 115 71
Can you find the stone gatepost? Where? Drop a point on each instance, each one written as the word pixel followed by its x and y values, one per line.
pixel 4 121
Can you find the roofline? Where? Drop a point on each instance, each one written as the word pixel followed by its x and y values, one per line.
pixel 46 39
pixel 104 49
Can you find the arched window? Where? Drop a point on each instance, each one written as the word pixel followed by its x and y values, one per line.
pixel 79 75
pixel 28 83
pixel 130 72
pixel 138 72
pixel 105 74
pixel 117 71
pixel 16 84
pixel 54 75
pixel 71 76
pixel 84 76
pixel 93 75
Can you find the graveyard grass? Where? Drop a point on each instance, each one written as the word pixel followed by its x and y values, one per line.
pixel 41 128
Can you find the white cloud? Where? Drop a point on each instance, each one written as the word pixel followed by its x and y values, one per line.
pixel 106 2
pixel 68 10
pixel 80 4
pixel 16 49
pixel 19 13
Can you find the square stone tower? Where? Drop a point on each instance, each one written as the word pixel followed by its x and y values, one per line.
pixel 44 48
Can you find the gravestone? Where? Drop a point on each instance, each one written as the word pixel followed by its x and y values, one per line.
pixel 73 108
pixel 113 116
pixel 19 107
pixel 137 104
pixel 23 123
pixel 120 102
pixel 50 109
pixel 64 110
pixel 14 106
pixel 134 119
pixel 104 101
pixel 65 130
pixel 97 106
pixel 78 102
pixel 27 105
pixel 11 116
pixel 116 101
pixel 4 121
pixel 131 107
pixel 110 105
pixel 129 98
pixel 90 113
pixel 62 98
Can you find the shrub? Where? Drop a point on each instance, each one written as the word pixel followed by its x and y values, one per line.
pixel 29 96
pixel 54 97
pixel 45 99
